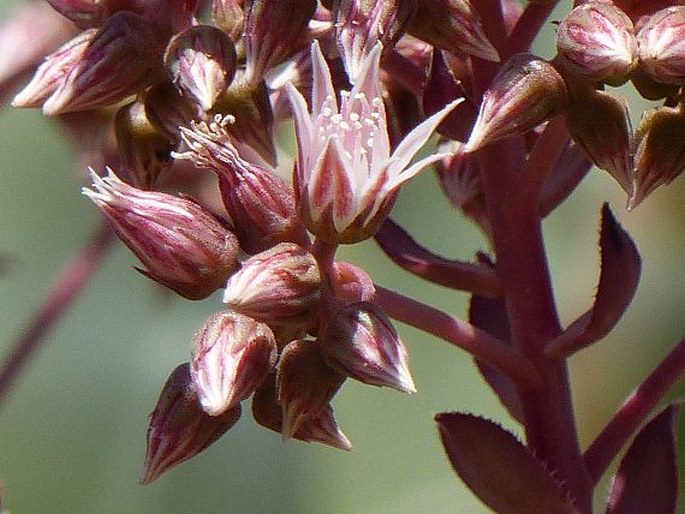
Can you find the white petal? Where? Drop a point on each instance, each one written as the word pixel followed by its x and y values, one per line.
pixel 413 142
pixel 303 127
pixel 412 171
pixel 322 85
pixel 368 80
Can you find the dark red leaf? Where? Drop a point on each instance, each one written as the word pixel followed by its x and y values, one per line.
pixel 618 281
pixel 407 253
pixel 502 472
pixel 647 479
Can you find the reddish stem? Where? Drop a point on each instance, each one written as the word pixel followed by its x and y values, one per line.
pixel 463 335
pixel 522 266
pixel 634 412
pixel 65 289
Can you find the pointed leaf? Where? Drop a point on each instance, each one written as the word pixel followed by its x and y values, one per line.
pixel 647 480
pixel 618 281
pixel 502 472
pixel 410 255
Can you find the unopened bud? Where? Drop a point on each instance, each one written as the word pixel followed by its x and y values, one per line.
pixel 167 110
pixel 459 174
pixel 360 24
pixel 360 341
pixel 526 92
pixel 84 13
pixel 261 204
pixel 596 41
pixel 453 25
pixel 179 429
pixel 658 151
pixel 105 73
pixel 53 70
pixel 280 285
pixel 306 384
pixel 351 283
pixel 662 45
pixel 232 355
pixel 143 150
pixel 321 428
pixel 600 123
pixel 201 61
pixel 273 33
pixel 181 245
pixel 228 15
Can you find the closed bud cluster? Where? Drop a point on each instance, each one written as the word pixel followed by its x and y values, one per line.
pixel 179 429
pixel 360 341
pixel 232 355
pixel 279 286
pixel 181 245
pixel 201 61
pixel 261 205
pixel 360 24
pixel 662 45
pixel 526 92
pixel 596 42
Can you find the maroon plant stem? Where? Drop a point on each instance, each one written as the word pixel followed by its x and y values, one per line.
pixel 66 288
pixel 522 266
pixel 634 412
pixel 469 338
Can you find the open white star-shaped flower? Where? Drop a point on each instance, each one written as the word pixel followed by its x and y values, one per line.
pixel 346 177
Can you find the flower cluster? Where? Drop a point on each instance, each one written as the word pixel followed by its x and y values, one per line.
pixel 181 105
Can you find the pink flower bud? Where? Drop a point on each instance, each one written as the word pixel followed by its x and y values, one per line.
pixel 105 72
pixel 658 151
pixel 84 13
pixel 278 286
pixel 228 15
pixel 179 429
pixel 459 175
pixel 360 24
pixel 360 341
pixel 596 41
pixel 599 122
pixel 51 73
pixel 306 384
pixel 273 33
pixel 322 428
pixel 453 25
pixel 181 245
pixel 662 45
pixel 202 62
pixel 261 204
pixel 351 283
pixel 167 110
pixel 526 92
pixel 232 354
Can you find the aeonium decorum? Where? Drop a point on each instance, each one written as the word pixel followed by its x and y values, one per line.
pixel 346 178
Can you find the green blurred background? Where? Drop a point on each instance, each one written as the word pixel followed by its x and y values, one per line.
pixel 72 433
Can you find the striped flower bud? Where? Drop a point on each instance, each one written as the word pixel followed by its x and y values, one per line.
pixel 360 341
pixel 278 286
pixel 526 92
pixel 181 245
pixel 306 384
pixel 201 61
pixel 662 45
pixel 453 25
pixel 179 429
pixel 596 41
pixel 232 355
